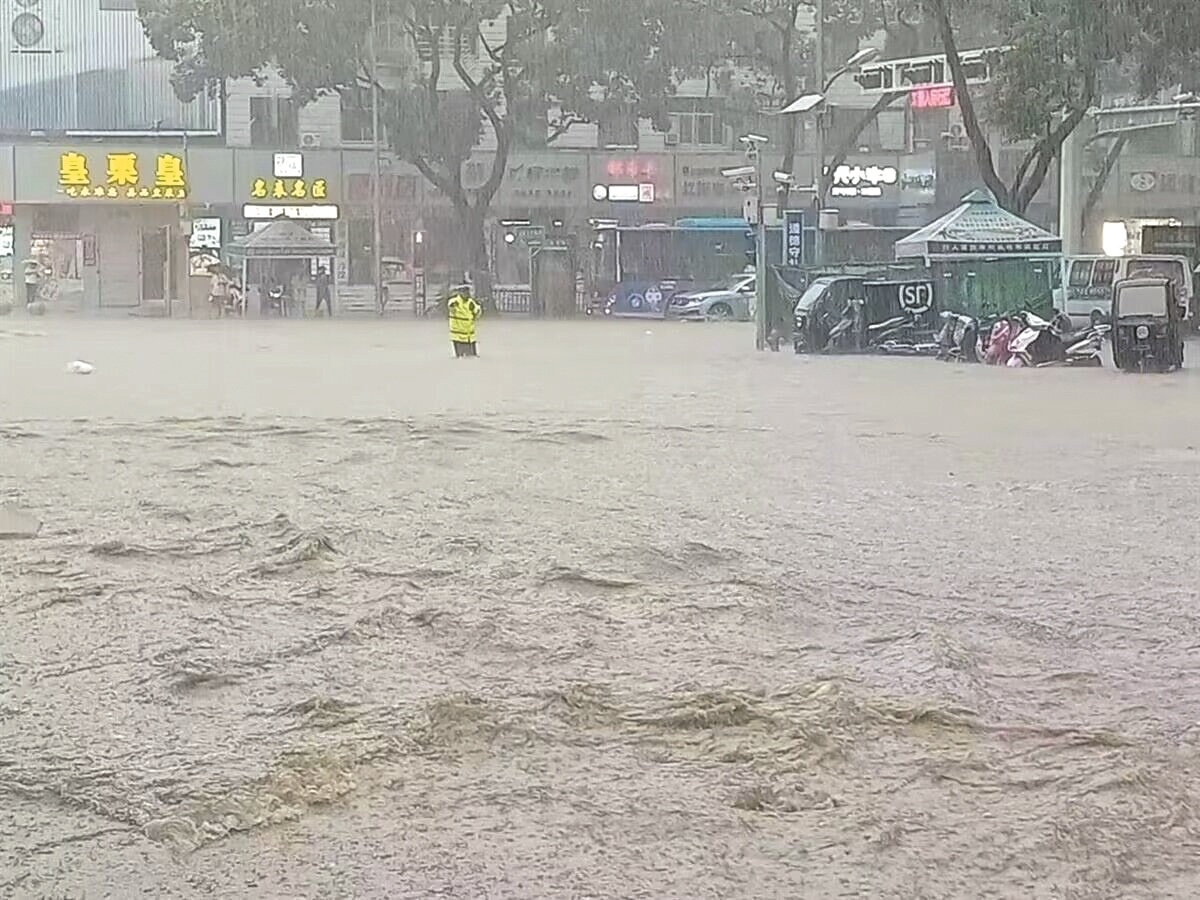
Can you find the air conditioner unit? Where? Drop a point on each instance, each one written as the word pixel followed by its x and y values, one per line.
pixel 671 139
pixel 310 140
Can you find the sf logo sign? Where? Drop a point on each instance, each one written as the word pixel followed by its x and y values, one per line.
pixel 916 297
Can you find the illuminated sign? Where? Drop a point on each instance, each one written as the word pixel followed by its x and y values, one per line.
pixel 863 181
pixel 937 97
pixel 123 177
pixel 289 189
pixel 624 193
pixel 316 211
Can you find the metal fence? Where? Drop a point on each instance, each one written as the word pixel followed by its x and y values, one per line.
pixel 517 299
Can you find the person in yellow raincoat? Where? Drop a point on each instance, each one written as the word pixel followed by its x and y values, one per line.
pixel 463 310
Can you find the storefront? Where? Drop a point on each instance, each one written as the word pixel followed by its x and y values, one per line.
pixel 1146 190
pixel 108 223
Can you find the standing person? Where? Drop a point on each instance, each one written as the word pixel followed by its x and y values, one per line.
pixel 218 290
pixel 322 284
pixel 463 311
pixel 33 277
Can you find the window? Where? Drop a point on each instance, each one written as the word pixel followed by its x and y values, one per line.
pixel 1081 273
pixel 697 123
pixel 274 122
pixel 1103 273
pixel 356 115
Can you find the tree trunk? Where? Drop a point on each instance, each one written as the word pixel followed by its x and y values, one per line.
pixel 1097 189
pixel 475 254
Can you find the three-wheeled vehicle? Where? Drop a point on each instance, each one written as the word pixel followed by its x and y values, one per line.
pixel 1147 333
pixel 851 314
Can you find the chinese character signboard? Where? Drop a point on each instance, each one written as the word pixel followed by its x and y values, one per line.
pixel 1038 247
pixel 122 176
pixel 936 97
pixel 289 189
pixel 863 181
pixel 793 238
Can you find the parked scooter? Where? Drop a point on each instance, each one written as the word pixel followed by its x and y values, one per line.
pixel 958 341
pixel 1039 343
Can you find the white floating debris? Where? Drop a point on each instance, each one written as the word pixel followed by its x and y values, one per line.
pixel 648 331
pixel 16 523
pixel 79 367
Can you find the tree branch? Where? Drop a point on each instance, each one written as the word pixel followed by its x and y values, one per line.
pixel 1096 191
pixel 499 127
pixel 848 143
pixel 984 160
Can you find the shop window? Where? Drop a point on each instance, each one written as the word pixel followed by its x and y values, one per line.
pixel 274 122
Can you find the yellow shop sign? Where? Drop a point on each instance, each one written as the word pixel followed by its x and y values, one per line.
pixel 124 176
pixel 289 189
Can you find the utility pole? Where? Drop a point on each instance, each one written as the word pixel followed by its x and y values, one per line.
pixel 760 254
pixel 376 198
pixel 822 123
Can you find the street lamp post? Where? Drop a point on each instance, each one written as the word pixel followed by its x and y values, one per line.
pixel 376 193
pixel 750 178
pixel 815 103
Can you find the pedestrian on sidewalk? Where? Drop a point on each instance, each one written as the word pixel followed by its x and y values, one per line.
pixel 463 310
pixel 323 292
pixel 33 278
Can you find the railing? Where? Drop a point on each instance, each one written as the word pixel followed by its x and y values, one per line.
pixel 518 298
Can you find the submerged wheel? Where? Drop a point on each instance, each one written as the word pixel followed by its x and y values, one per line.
pixel 720 312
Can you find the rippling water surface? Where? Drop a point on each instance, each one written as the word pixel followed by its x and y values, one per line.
pixel 613 611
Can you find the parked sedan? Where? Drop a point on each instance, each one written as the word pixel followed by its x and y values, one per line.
pixel 733 299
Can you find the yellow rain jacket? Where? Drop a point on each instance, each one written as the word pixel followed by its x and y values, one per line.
pixel 463 313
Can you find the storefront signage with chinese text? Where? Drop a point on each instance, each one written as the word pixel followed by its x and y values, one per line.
pixel 863 181
pixel 320 212
pixel 1044 247
pixel 127 176
pixel 289 189
pixel 937 97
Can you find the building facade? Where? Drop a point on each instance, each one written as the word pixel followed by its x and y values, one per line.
pixel 127 193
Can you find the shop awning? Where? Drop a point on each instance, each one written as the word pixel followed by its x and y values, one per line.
pixel 282 239
pixel 979 228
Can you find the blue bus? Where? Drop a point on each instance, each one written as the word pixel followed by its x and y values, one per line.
pixel 638 269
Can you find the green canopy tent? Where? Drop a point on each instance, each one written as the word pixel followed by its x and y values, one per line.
pixel 987 260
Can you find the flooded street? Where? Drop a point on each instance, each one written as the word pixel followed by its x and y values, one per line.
pixel 617 610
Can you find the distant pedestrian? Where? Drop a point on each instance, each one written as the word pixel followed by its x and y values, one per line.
pixel 323 293
pixel 463 310
pixel 33 278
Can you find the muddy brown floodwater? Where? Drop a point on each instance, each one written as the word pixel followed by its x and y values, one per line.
pixel 616 611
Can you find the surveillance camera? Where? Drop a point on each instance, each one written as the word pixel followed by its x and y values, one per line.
pixel 784 178
pixel 738 172
pixel 754 139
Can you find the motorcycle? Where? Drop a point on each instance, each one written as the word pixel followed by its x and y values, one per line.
pixel 904 335
pixel 277 299
pixel 958 340
pixel 1039 343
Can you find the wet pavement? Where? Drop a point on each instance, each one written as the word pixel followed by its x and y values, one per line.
pixel 617 610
